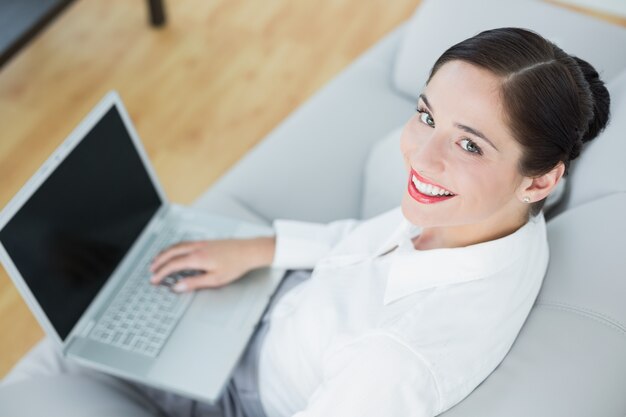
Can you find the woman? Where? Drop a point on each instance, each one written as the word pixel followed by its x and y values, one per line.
pixel 406 313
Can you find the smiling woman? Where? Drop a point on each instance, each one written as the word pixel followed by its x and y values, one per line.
pixel 536 103
pixel 406 313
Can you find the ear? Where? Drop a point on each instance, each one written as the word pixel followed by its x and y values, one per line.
pixel 538 188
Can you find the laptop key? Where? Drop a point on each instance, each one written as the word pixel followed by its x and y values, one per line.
pixel 142 316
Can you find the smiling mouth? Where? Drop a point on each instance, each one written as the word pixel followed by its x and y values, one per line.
pixel 426 192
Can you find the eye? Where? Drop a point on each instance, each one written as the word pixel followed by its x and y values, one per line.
pixel 425 117
pixel 470 146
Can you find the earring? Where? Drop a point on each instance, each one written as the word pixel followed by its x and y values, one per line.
pixel 526 199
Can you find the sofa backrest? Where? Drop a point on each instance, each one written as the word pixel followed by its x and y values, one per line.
pixel 438 24
pixel 601 168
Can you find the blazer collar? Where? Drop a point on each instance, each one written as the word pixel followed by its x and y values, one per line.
pixel 401 235
pixel 416 270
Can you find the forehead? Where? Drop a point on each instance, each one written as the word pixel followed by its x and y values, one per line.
pixel 470 84
pixel 466 94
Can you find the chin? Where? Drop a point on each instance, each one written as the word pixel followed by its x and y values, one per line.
pixel 418 214
pixel 432 215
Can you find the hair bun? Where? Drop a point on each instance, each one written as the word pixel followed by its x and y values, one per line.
pixel 601 100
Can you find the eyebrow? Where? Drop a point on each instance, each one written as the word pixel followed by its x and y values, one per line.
pixel 461 126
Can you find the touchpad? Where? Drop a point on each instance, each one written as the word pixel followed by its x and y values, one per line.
pixel 228 305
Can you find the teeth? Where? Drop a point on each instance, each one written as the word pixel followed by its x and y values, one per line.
pixel 429 189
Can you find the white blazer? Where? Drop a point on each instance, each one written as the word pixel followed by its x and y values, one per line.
pixel 400 333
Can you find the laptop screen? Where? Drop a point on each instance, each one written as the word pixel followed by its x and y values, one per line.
pixel 69 236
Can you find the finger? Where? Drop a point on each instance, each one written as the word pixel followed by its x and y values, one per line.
pixel 177 264
pixel 173 251
pixel 206 280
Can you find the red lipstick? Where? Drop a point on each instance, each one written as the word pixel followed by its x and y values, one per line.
pixel 425 198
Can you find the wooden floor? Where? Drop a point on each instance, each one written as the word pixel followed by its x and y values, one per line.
pixel 201 92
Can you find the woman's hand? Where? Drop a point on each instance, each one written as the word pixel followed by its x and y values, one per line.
pixel 221 261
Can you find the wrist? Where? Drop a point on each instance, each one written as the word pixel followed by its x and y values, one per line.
pixel 261 251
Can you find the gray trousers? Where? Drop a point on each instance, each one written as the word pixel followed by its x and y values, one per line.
pixel 71 389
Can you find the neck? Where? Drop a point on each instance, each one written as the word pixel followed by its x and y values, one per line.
pixel 465 235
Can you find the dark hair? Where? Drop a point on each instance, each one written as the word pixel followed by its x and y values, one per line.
pixel 554 102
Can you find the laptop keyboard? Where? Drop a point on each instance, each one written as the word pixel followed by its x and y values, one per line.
pixel 142 316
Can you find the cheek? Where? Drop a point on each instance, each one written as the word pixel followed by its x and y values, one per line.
pixel 490 185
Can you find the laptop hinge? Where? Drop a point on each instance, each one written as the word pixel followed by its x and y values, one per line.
pixel 87 328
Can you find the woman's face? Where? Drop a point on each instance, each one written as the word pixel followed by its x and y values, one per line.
pixel 459 147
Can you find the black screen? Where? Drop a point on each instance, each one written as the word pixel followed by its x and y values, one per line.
pixel 74 230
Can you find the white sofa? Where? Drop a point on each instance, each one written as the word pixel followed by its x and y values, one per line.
pixel 337 156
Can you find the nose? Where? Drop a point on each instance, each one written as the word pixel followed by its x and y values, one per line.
pixel 429 154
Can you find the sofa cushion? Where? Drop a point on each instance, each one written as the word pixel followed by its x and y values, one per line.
pixel 74 395
pixel 216 202
pixel 600 170
pixel 385 178
pixel 438 24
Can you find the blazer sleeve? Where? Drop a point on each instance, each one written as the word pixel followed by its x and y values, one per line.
pixel 299 245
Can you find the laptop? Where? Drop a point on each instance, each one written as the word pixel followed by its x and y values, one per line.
pixel 77 241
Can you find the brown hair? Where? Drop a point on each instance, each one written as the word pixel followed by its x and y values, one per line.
pixel 554 102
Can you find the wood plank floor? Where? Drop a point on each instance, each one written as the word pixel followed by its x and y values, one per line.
pixel 201 91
